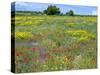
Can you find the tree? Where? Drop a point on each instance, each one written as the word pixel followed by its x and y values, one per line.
pixel 52 10
pixel 70 13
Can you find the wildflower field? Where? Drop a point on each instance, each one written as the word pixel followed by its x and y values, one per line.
pixel 52 43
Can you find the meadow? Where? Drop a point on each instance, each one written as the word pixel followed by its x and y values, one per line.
pixel 52 43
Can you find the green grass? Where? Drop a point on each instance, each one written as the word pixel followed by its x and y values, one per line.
pixel 74 37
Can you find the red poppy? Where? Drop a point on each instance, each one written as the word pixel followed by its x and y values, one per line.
pixel 34 49
pixel 58 50
pixel 53 51
pixel 26 60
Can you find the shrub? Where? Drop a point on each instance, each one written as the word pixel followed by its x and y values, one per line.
pixel 23 35
pixel 81 35
pixel 70 13
pixel 71 25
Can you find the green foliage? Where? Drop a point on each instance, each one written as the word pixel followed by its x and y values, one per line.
pixel 52 10
pixel 70 13
pixel 50 44
pixel 70 25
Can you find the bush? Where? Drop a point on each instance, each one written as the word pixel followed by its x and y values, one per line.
pixel 23 35
pixel 70 13
pixel 52 10
pixel 80 35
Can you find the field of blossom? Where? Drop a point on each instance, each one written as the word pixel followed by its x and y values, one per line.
pixel 52 43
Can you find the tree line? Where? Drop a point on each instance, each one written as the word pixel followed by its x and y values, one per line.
pixel 51 10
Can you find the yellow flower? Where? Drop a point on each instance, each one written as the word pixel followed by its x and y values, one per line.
pixel 23 35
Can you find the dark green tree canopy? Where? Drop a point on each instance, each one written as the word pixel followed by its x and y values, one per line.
pixel 70 13
pixel 52 10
